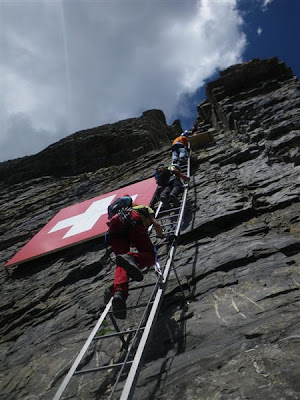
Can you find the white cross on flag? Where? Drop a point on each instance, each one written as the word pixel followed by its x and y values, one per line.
pixel 80 222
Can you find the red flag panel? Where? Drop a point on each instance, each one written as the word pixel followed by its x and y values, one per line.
pixel 80 222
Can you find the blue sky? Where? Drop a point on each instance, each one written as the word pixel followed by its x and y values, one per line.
pixel 272 30
pixel 280 34
pixel 71 65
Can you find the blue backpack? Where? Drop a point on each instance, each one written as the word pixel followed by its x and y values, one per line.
pixel 119 204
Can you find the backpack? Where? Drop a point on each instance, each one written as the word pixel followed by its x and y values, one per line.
pixel 162 177
pixel 116 206
pixel 142 210
pixel 144 214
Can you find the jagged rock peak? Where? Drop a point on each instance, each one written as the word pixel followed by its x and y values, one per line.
pixel 258 101
pixel 240 77
pixel 90 149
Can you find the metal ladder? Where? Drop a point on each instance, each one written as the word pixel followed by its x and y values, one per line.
pixel 134 339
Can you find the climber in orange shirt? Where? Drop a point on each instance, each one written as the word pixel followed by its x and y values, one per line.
pixel 180 148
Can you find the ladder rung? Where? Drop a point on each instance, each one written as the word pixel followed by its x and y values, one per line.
pixel 86 371
pixel 171 231
pixel 116 333
pixel 140 305
pixel 169 216
pixel 137 306
pixel 167 211
pixel 143 286
pixel 175 208
pixel 171 223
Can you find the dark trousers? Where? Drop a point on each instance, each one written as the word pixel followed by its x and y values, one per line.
pixel 173 188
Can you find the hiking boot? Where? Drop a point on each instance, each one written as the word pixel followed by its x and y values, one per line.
pixel 165 203
pixel 174 200
pixel 107 295
pixel 131 267
pixel 164 200
pixel 119 305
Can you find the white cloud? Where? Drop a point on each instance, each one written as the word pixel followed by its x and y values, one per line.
pixel 259 31
pixel 265 4
pixel 69 66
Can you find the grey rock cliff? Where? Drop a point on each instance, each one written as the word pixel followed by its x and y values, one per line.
pixel 238 258
pixel 89 150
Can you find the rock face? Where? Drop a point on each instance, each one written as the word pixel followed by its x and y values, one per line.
pixel 89 150
pixel 238 258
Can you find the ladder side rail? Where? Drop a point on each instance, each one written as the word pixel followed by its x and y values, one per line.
pixel 72 370
pixel 150 322
pixel 158 209
pixel 184 199
pixel 136 332
pixel 180 219
pixel 82 352
pixel 189 161
pixel 119 333
pixel 132 376
pixel 134 370
pixel 139 329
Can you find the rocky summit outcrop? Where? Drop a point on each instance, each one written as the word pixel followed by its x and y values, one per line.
pixel 238 258
pixel 89 150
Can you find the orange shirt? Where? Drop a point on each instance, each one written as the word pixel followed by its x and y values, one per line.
pixel 182 140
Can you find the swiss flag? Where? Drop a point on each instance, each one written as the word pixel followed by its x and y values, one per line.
pixel 80 222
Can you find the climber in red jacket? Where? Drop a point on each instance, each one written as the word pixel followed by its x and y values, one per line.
pixel 128 226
